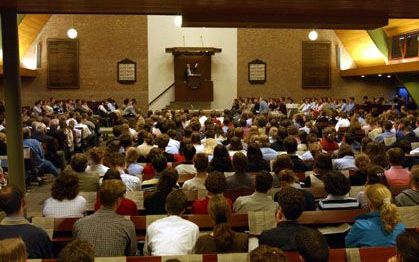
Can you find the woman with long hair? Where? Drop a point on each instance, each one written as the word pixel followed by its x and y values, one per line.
pixel 379 227
pixel 222 239
pixel 221 161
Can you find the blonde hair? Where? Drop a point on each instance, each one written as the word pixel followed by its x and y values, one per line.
pixel 12 250
pixel 379 197
pixel 132 155
pixel 362 161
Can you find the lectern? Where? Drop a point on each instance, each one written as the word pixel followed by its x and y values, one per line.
pixel 193 73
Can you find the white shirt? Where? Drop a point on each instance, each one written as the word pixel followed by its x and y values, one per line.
pixel 193 184
pixel 66 208
pixel 185 169
pixel 199 148
pixel 343 122
pixel 171 235
pixel 98 169
pixel 132 183
pixel 103 109
pixel 86 131
pixel 173 147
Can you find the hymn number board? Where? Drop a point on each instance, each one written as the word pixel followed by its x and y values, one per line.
pixel 63 63
pixel 127 72
pixel 257 72
pixel 316 64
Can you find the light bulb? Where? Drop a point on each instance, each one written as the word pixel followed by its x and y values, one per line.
pixel 72 33
pixel 178 21
pixel 313 35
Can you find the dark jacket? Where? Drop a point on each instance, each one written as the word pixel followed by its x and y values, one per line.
pixel 283 236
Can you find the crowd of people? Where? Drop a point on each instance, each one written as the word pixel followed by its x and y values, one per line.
pixel 258 146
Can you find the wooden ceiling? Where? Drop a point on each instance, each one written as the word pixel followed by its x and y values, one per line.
pixel 355 14
pixel 29 29
pixel 400 26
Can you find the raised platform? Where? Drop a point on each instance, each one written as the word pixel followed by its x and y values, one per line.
pixel 191 105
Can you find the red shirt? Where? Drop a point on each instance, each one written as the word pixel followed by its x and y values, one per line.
pixel 200 206
pixel 329 145
pixel 126 208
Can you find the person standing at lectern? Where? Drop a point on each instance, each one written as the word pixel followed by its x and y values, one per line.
pixel 195 69
pixel 187 73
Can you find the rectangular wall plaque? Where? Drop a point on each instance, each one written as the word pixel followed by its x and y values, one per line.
pixel 316 64
pixel 257 72
pixel 63 63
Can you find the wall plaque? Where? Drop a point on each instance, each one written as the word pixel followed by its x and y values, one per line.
pixel 63 63
pixel 316 64
pixel 257 72
pixel 127 71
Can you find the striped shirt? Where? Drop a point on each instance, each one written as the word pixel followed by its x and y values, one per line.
pixel 338 202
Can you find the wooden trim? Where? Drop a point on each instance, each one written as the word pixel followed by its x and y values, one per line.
pixel 411 67
pixel 24 72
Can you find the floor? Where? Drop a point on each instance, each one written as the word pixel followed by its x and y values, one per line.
pixel 35 197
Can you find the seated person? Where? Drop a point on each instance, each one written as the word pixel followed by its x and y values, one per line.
pixel 162 141
pixel 280 163
pixel 156 164
pixel 200 162
pixel 345 160
pixel 89 182
pixel 240 179
pixel 172 235
pixel 127 207
pixel 337 186
pixel 13 250
pixel 215 184
pixel 267 152
pixel 410 197
pixel 77 250
pixel 187 167
pixel 381 226
pixel 312 245
pixel 255 161
pixel 221 161
pixel 65 200
pixel 328 141
pixel 322 165
pixel 291 204
pixel 407 244
pixel 290 145
pixel 258 201
pixel 95 164
pixel 14 225
pixel 375 174
pixel 117 162
pixel 396 175
pixel 264 253
pixel 287 178
pixel 362 162
pixel 111 234
pixel 155 204
pixel 222 239
pixel 133 167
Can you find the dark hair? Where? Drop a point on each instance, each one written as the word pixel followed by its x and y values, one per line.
pixel 126 140
pixel 282 162
pixel 159 163
pixel 168 180
pixel 312 245
pixel 96 154
pixel 239 162
pixel 221 160
pixel 292 202
pixel 10 199
pixel 220 214
pixel 216 182
pixel 254 154
pixel 162 141
pixel 345 150
pixel 77 250
pixel 196 138
pixel 263 182
pixel 375 174
pixel 395 156
pixel 290 145
pixel 65 186
pixel 189 151
pixel 323 162
pixel 111 173
pixel 407 244
pixel 264 253
pixel 336 183
pixel 176 202
pixel 236 144
pixel 200 162
pixel 79 162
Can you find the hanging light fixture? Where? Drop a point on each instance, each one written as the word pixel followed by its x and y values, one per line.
pixel 72 33
pixel 313 35
pixel 178 21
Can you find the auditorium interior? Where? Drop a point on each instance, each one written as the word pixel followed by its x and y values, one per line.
pixel 168 130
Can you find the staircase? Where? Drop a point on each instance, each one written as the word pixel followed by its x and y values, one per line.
pixel 188 105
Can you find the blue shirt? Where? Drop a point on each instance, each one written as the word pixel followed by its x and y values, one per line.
pixel 37 150
pixel 368 231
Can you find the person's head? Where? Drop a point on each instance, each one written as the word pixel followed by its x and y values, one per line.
pixel 323 162
pixel 111 173
pixel 312 245
pixel 379 199
pixel 395 156
pixel 132 155
pixel 200 162
pixel 220 214
pixel 264 253
pixel 159 163
pixel 375 174
pixel 287 178
pixel 407 244
pixel 96 155
pixel 216 183
pixel 254 154
pixel 12 250
pixel 387 125
pixel 362 162
pixel 79 162
pixel 168 180
pixel 189 152
pixel 291 204
pixel 111 193
pixel 236 144
pixel 176 202
pixel 239 162
pixel 126 140
pixel 221 160
pixel 196 138
pixel 345 150
pixel 328 133
pixel 65 186
pixel 12 200
pixel 336 184
pixel 117 160
pixel 263 182
pixel 77 250
pixel 162 141
pixel 290 145
pixel 282 162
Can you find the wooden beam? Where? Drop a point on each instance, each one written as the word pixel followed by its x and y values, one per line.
pixel 412 67
pixel 24 72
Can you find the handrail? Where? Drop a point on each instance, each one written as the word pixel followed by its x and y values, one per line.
pixel 162 93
